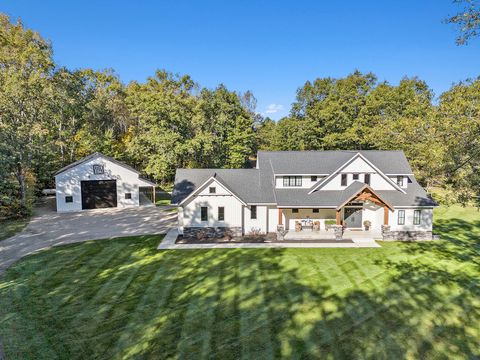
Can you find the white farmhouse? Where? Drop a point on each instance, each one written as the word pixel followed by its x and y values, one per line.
pixel 292 193
pixel 98 181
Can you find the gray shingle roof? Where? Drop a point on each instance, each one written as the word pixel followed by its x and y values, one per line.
pixel 245 183
pixel 326 162
pixel 257 185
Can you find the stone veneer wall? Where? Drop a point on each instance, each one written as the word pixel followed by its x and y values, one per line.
pixel 389 235
pixel 212 232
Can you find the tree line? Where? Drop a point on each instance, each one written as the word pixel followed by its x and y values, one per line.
pixel 51 116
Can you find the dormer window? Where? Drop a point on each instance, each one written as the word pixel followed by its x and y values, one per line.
pixel 355 176
pixel 400 181
pixel 313 178
pixel 344 179
pixel 367 179
pixel 212 190
pixel 292 181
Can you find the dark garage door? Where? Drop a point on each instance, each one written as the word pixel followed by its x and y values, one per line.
pixel 97 194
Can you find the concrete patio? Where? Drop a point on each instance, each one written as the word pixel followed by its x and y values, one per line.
pixel 168 243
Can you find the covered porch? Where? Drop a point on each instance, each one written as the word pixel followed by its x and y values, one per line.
pixel 360 217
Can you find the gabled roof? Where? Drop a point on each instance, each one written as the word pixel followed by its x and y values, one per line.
pixel 97 154
pixel 93 156
pixel 214 178
pixel 321 183
pixel 257 186
pixel 326 162
pixel 245 183
pixel 358 188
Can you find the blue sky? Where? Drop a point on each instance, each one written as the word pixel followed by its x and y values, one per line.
pixel 269 47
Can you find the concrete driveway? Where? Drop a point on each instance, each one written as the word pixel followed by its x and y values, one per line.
pixel 48 228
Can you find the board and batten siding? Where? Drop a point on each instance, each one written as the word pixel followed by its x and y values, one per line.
pixel 426 220
pixel 189 214
pixel 68 183
pixel 359 166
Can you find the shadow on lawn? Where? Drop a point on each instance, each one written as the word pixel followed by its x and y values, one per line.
pixel 256 308
pixel 227 304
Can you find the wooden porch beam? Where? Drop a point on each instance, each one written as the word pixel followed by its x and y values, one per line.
pixel 338 217
pixel 385 215
pixel 280 220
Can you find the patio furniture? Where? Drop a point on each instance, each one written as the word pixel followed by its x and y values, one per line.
pixel 298 226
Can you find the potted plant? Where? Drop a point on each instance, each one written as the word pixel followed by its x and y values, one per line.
pixel 329 223
pixel 367 224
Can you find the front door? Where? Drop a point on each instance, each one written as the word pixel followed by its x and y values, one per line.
pixel 353 217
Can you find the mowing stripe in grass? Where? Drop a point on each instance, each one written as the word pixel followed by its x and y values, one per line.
pixel 254 322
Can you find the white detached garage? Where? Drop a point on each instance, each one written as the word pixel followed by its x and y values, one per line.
pixel 98 181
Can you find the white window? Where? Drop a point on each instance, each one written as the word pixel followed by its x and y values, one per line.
pixel 292 181
pixel 401 217
pixel 400 181
pixel 212 190
pixel 417 215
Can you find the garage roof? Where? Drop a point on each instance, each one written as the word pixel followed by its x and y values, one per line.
pixel 97 154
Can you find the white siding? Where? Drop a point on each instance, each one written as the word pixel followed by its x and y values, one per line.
pixel 361 167
pixel 233 208
pixel 259 223
pixel 272 218
pixel 426 217
pixel 68 183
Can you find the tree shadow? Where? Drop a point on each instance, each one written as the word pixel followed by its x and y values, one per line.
pixel 130 301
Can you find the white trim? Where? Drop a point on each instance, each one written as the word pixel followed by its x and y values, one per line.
pixel 301 174
pixel 254 203
pixel 201 187
pixel 399 174
pixel 328 178
pixel 416 207
pixel 306 207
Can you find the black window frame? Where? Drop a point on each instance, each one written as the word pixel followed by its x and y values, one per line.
pixel 400 180
pixel 344 179
pixel 365 177
pixel 253 212
pixel 294 211
pixel 292 181
pixel 315 211
pixel 204 213
pixel 417 217
pixel 98 169
pixel 356 176
pixel 212 190
pixel 313 178
pixel 221 213
pixel 128 196
pixel 68 199
pixel 401 219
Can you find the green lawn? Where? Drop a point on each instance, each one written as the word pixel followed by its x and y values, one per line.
pixel 122 299
pixel 11 227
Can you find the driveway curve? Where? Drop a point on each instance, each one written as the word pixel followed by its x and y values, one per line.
pixel 49 228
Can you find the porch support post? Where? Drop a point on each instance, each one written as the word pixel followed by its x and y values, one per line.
pixel 280 220
pixel 153 189
pixel 385 215
pixel 338 217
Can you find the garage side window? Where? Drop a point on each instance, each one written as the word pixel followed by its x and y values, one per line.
pixel 401 217
pixel 221 213
pixel 204 213
pixel 69 199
